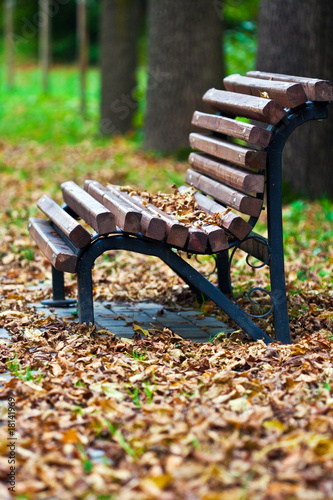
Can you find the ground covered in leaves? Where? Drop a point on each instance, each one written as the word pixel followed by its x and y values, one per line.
pixel 158 417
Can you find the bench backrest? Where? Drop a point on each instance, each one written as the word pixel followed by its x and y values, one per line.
pixel 231 162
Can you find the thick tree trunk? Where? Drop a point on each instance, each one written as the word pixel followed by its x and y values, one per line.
pixel 185 59
pixel 121 22
pixel 297 38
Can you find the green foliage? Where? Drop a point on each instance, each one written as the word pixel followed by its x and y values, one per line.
pixel 141 356
pixel 87 464
pixel 118 436
pixel 16 368
pixel 240 48
pixel 240 40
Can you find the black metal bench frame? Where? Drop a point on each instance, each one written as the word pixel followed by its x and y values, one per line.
pixel 201 285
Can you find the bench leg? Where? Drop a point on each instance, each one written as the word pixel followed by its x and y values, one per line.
pixel 279 296
pixel 85 293
pixel 58 292
pixel 275 240
pixel 223 272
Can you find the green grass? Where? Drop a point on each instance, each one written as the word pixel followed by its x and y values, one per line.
pixel 27 113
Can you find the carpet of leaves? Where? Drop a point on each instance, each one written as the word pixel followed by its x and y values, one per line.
pixel 156 417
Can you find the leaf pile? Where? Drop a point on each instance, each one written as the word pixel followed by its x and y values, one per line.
pixel 159 417
pixel 184 206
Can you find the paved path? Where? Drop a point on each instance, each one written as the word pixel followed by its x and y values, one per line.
pixel 118 318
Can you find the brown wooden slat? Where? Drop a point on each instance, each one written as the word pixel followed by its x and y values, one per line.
pixel 197 240
pixel 127 219
pixel 287 94
pixel 253 134
pixel 151 226
pixel 239 155
pixel 95 189
pixel 89 209
pixel 256 108
pixel 217 238
pixel 233 177
pixel 315 89
pixel 255 248
pixel 176 233
pixel 53 247
pixel 234 199
pixel 67 225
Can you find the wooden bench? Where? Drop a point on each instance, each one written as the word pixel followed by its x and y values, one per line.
pixel 234 168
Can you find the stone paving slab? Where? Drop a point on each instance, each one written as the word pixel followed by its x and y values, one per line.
pixel 118 318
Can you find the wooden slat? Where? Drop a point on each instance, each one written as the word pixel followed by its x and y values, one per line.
pixel 287 94
pixel 53 247
pixel 176 232
pixel 95 189
pixel 197 240
pixel 239 155
pixel 234 199
pixel 127 219
pixel 315 90
pixel 256 248
pixel 256 108
pixel 253 134
pixel 89 209
pixel 151 226
pixel 233 177
pixel 67 225
pixel 217 238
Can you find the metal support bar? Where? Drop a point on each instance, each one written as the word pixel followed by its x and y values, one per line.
pixel 178 265
pixel 223 272
pixel 58 291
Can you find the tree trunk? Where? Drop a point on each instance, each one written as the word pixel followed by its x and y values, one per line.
pixel 296 38
pixel 185 59
pixel 9 45
pixel 120 28
pixel 44 42
pixel 83 50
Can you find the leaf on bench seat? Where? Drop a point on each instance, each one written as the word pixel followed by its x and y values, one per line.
pixel 287 94
pixel 315 90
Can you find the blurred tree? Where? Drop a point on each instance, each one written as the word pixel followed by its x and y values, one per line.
pixel 297 39
pixel 184 60
pixel 121 22
pixel 9 42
